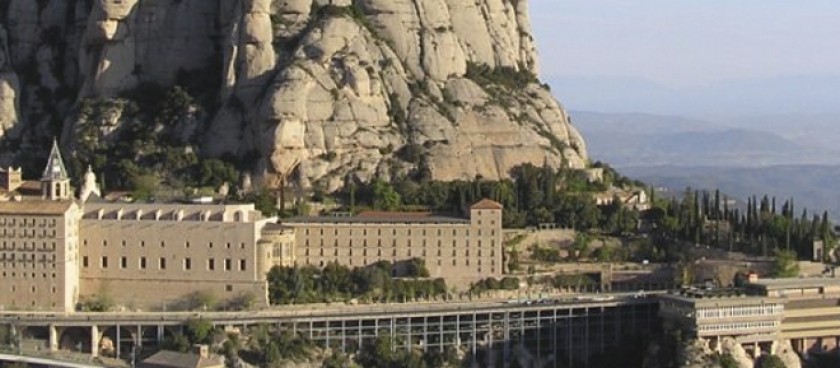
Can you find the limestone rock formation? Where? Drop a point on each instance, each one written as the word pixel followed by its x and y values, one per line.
pixel 733 348
pixel 314 92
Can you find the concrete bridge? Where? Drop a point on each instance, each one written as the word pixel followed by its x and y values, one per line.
pixel 568 330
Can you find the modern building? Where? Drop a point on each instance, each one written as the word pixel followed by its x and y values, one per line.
pixel 454 248
pixel 805 311
pixel 57 251
pixel 715 314
pixel 812 310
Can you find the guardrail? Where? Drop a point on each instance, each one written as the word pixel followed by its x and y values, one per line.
pixel 331 312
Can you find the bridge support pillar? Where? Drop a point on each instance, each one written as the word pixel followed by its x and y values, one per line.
pixel 53 338
pixel 159 334
pixel 94 341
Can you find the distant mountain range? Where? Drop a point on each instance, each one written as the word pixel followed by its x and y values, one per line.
pixel 812 186
pixel 786 155
pixel 644 139
pixel 814 94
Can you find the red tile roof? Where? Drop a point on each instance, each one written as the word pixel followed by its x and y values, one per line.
pixel 486 204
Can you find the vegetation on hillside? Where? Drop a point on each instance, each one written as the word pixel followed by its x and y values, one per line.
pixel 146 140
pixel 762 228
pixel 532 196
pixel 337 283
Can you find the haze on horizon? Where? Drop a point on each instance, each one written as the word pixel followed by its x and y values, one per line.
pixel 689 58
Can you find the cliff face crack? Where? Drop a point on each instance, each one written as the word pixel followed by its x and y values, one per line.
pixel 421 37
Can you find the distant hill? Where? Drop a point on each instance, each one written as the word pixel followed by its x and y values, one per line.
pixel 768 96
pixel 632 139
pixel 811 186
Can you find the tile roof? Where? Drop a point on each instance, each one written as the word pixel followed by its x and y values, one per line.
pixel 173 359
pixel 35 207
pixel 486 204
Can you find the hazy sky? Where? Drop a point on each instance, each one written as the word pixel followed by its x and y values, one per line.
pixel 688 42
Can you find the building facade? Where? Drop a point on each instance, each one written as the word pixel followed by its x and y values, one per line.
pixel 57 251
pixel 136 253
pixel 764 312
pixel 453 248
pixel 39 242
pixel 38 255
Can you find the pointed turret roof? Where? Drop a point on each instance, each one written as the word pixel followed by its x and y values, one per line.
pixel 55 169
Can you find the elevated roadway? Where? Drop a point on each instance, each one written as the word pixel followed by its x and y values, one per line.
pixel 574 327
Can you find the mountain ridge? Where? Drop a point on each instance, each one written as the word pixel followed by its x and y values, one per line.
pixel 311 93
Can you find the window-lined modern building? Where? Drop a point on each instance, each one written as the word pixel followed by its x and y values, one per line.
pixel 56 251
pixel 804 311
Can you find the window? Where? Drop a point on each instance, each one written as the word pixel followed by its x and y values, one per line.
pixel 162 263
pixel 243 265
pixel 84 261
pixel 123 262
pixel 227 264
pixel 228 288
pixel 211 264
pixel 104 262
pixel 187 264
pixel 142 263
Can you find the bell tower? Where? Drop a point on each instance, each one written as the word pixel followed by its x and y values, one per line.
pixel 55 184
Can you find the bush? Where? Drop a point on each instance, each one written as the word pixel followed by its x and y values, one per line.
pixel 545 254
pixel 98 303
pixel 505 76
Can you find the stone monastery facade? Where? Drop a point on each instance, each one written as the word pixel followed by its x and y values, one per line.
pixel 56 250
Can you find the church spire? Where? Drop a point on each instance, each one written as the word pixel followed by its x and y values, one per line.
pixel 55 169
pixel 55 184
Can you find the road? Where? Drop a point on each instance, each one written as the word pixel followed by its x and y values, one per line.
pixel 327 312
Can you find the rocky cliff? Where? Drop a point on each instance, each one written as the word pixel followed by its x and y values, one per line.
pixel 316 91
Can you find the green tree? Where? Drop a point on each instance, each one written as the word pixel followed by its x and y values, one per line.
pixel 727 361
pixel 384 196
pixel 144 186
pixel 177 342
pixel 213 173
pixel 417 268
pixel 771 361
pixel 580 244
pixel 265 202
pixel 785 264
pixel 199 331
pixel 338 360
